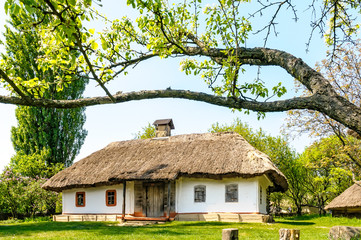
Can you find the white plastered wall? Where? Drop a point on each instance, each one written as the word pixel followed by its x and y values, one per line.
pixel 264 182
pixel 248 195
pixel 95 200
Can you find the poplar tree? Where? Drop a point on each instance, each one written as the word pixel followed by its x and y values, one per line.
pixel 45 139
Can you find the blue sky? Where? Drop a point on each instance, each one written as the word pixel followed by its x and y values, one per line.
pixel 108 123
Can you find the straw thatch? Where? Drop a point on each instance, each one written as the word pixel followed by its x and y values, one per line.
pixel 350 198
pixel 213 155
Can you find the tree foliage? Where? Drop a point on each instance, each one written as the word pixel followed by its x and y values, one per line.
pixel 22 196
pixel 343 73
pixel 59 132
pixel 329 171
pixel 35 164
pixel 146 132
pixel 48 138
pixel 186 29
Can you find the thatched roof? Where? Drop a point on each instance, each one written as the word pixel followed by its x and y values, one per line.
pixel 351 197
pixel 213 155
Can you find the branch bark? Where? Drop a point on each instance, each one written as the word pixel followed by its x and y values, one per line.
pixel 275 106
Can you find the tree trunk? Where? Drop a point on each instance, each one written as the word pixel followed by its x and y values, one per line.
pixel 51 209
pixel 299 210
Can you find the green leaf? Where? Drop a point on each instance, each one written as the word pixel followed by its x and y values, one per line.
pixel 94 45
pixel 72 2
pixel 104 43
pixel 6 7
pixel 16 9
pixel 92 30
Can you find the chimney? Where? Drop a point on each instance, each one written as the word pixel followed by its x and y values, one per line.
pixel 163 127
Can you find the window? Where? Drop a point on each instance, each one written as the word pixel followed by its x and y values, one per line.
pixel 232 193
pixel 200 193
pixel 80 199
pixel 111 198
pixel 260 194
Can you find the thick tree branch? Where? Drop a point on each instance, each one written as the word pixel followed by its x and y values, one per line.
pixel 270 57
pixel 282 105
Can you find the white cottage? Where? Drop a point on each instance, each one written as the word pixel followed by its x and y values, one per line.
pixel 211 177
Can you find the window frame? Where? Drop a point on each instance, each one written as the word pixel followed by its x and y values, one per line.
pixel 204 195
pixel 76 199
pixel 115 198
pixel 227 193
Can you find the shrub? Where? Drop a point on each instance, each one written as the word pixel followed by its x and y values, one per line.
pixel 23 196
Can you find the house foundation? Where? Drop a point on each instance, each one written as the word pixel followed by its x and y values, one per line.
pixel 208 217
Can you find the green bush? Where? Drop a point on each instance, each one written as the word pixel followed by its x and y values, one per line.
pixel 23 196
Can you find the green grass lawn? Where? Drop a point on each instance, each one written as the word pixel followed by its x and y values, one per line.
pixel 312 227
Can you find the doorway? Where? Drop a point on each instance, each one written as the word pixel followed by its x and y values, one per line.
pixel 154 199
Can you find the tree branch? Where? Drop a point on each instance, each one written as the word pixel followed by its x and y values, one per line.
pixel 95 76
pixel 16 89
pixel 296 67
pixel 276 106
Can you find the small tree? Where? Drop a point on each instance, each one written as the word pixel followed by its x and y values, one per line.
pixel 35 164
pixel 296 174
pixel 329 173
pixel 23 196
pixel 146 132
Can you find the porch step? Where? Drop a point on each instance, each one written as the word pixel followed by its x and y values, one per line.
pixel 137 223
pixel 152 219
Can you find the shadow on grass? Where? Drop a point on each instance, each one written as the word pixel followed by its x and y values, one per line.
pixel 27 229
pixel 203 224
pixel 96 228
pixel 306 217
pixel 296 223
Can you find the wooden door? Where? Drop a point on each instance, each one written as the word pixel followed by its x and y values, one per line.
pixel 154 199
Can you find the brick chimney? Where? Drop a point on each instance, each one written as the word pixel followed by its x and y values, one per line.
pixel 163 127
